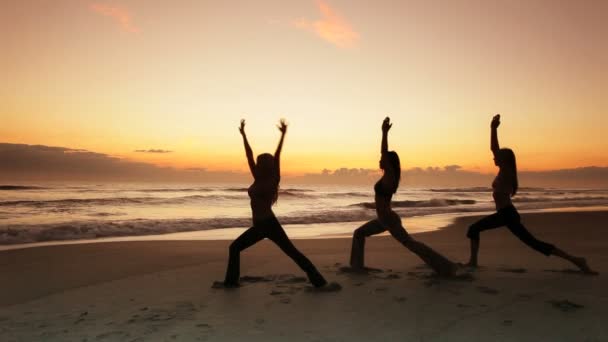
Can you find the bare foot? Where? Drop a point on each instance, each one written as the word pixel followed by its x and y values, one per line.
pixel 582 264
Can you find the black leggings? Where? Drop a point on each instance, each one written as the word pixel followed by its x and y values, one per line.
pixel 508 216
pixel 268 228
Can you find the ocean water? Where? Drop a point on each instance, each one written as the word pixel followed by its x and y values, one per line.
pixel 31 213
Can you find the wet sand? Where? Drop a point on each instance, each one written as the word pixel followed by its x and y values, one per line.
pixel 161 290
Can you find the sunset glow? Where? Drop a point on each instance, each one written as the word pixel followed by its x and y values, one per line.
pixel 116 77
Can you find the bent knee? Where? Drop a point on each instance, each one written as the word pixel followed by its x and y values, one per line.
pixel 473 232
pixel 401 235
pixel 234 248
pixel 359 234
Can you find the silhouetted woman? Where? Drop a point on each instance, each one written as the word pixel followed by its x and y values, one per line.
pixel 388 219
pixel 504 187
pixel 264 193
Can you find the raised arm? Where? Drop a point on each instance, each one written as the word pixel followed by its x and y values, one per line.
pixel 386 125
pixel 494 135
pixel 248 151
pixel 277 155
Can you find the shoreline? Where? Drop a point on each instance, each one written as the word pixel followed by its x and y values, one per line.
pixel 336 230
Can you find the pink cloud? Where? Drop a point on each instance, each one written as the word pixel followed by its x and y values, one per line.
pixel 120 14
pixel 332 27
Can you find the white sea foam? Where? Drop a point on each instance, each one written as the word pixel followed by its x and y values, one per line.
pixel 42 212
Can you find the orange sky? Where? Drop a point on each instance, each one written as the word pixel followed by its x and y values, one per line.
pixel 119 76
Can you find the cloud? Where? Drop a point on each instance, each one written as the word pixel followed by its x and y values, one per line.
pixel 20 162
pixel 153 151
pixel 120 14
pixel 455 176
pixel 587 177
pixel 332 27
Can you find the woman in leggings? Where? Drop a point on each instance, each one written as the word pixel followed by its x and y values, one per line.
pixel 504 187
pixel 389 220
pixel 264 193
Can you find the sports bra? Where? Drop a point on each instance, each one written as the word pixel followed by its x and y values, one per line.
pixel 380 190
pixel 256 191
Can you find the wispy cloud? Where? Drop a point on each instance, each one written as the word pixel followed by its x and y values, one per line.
pixel 332 27
pixel 120 14
pixel 152 150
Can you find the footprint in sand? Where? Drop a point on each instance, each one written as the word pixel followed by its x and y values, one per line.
pixel 565 305
pixel 162 316
pixel 283 281
pixel 431 282
pixel 290 279
pixel 512 270
pixel 379 290
pixel 81 318
pixel 487 290
pixel 364 270
pixel 112 335
pixel 331 287
pixel 255 279
pixel 221 285
pixel 389 276
pixel 393 276
pixel 566 271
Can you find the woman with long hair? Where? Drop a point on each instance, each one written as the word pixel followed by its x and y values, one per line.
pixel 389 220
pixel 263 193
pixel 504 187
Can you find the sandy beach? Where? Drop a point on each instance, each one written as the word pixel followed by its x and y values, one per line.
pixel 161 290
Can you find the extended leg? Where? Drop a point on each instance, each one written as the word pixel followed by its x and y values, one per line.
pixel 246 240
pixel 526 237
pixel 547 249
pixel 436 261
pixel 279 237
pixel 580 262
pixel 358 248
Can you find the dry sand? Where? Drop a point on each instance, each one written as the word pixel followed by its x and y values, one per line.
pixel 161 290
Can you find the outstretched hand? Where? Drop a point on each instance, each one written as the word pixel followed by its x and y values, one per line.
pixel 242 128
pixel 282 126
pixel 386 124
pixel 495 121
